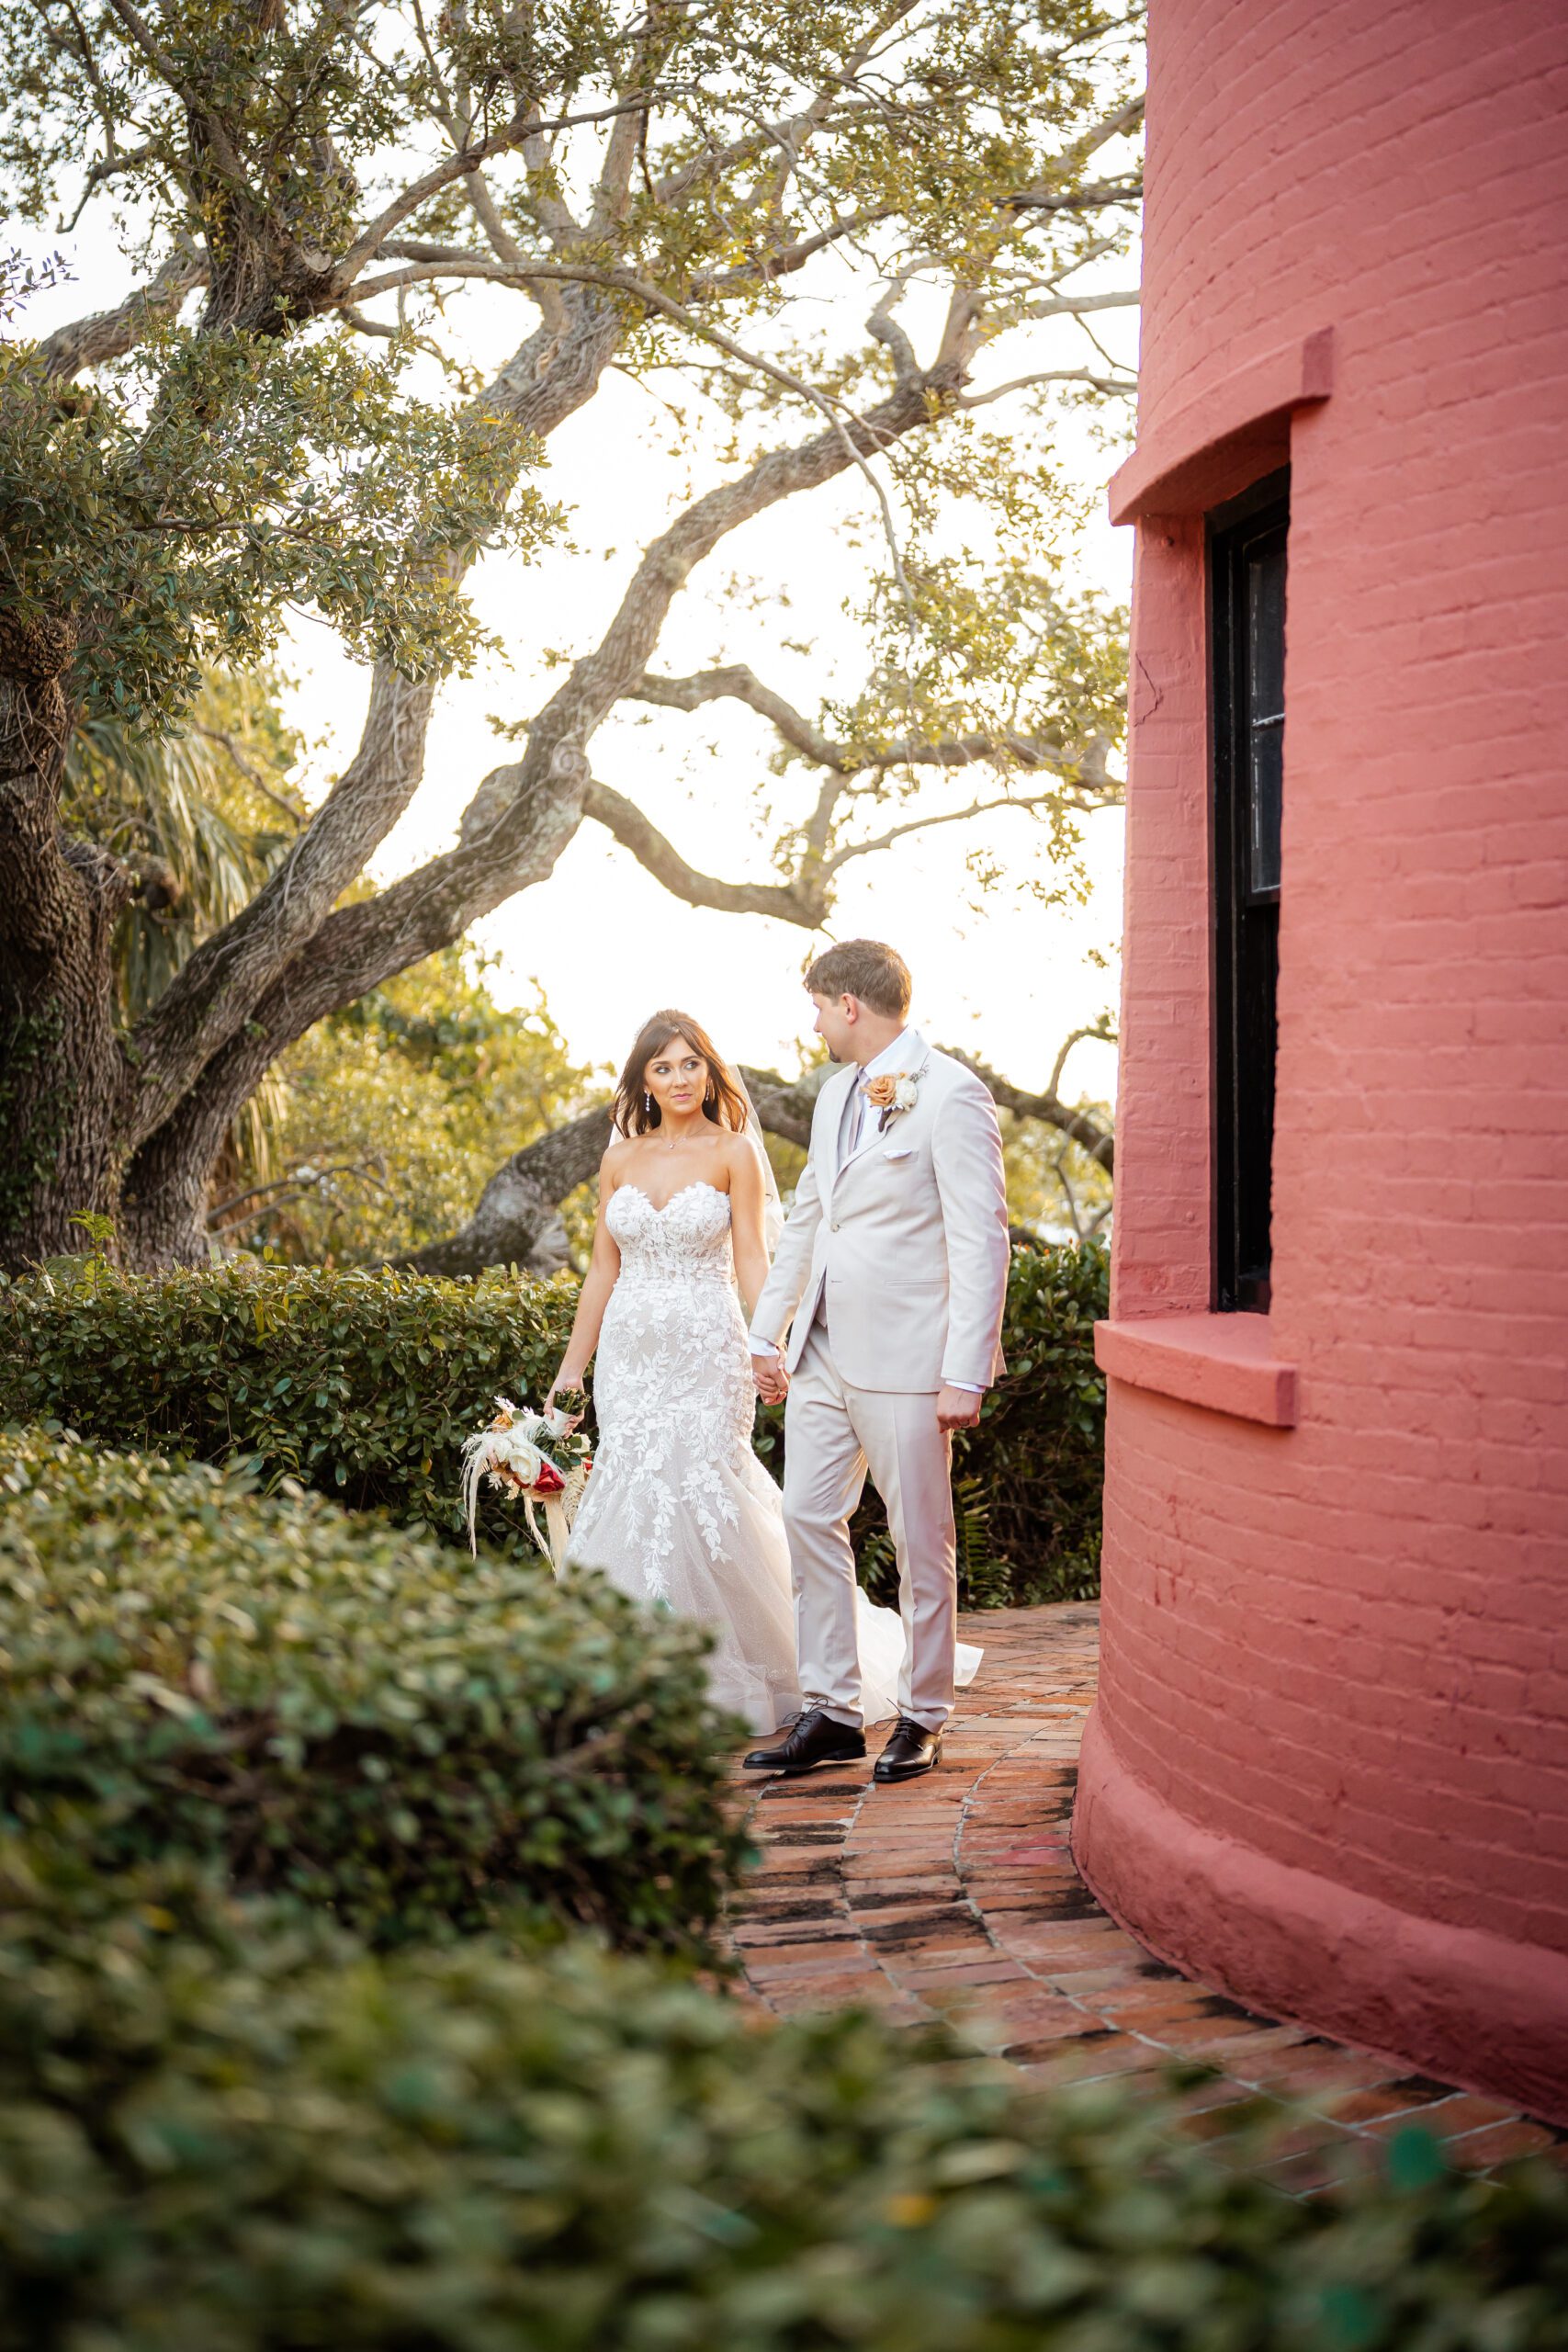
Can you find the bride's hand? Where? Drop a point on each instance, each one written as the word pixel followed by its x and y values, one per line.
pixel 564 1379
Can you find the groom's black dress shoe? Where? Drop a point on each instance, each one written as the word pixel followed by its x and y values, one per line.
pixel 911 1751
pixel 813 1738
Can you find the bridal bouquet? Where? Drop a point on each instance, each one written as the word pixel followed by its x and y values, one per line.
pixel 538 1456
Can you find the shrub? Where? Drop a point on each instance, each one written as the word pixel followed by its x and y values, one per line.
pixel 359 1717
pixel 217 2135
pixel 362 1384
pixel 1039 1452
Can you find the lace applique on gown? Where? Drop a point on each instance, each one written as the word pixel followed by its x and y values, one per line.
pixel 679 1509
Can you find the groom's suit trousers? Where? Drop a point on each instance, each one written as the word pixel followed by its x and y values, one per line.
pixel 833 1433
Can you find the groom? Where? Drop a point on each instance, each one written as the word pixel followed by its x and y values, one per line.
pixel 894 1267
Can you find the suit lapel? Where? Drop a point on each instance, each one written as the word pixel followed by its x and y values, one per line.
pixel 873 1133
pixel 834 1126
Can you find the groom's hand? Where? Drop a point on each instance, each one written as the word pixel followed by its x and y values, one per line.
pixel 957 1409
pixel 772 1379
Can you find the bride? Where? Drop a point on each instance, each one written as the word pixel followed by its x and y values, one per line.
pixel 679 1511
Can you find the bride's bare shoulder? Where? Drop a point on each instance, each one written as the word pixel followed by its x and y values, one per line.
pixel 738 1154
pixel 618 1160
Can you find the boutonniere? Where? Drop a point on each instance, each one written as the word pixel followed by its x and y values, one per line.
pixel 890 1092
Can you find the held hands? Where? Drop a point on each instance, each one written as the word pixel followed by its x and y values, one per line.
pixel 957 1409
pixel 768 1372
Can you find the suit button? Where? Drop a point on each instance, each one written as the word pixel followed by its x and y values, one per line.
pixel 834 1227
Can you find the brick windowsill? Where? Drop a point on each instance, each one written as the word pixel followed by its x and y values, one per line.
pixel 1223 1362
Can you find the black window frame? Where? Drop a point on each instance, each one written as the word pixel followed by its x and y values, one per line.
pixel 1246 765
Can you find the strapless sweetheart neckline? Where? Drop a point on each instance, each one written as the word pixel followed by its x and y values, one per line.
pixel 698 1184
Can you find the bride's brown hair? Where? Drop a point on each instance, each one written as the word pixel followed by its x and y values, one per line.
pixel 722 1103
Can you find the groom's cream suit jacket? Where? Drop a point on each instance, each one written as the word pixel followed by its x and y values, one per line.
pixel 903 1241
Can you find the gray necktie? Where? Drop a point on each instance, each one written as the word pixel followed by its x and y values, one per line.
pixel 849 1133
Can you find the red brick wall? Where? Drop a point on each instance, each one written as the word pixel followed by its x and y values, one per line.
pixel 1342 1649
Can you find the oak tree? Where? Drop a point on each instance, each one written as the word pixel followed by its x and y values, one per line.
pixel 252 428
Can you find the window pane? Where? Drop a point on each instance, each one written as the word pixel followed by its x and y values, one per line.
pixel 1266 627
pixel 1265 796
pixel 1246 560
pixel 1266 696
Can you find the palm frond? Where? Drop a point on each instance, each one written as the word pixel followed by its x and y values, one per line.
pixel 197 818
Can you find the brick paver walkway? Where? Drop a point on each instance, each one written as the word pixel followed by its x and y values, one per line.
pixel 956 1895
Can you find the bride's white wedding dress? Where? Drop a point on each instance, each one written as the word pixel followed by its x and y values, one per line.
pixel 679 1511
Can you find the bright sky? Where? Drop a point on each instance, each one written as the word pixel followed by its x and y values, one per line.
pixel 601 936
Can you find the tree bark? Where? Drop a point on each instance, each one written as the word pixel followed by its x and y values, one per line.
pixel 108 335
pixel 61 1069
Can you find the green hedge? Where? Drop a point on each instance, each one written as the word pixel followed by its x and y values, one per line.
pixel 217 2135
pixel 1039 1452
pixel 332 1707
pixel 364 1384
pixel 361 1384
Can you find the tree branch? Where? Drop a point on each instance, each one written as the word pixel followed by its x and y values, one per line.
pixel 1098 1141
pixel 545 381
pixel 781 261
pixel 783 901
pixel 961 317
pixel 1084 768
pixel 1077 306
pixel 220 987
pixel 514 829
pixel 784 1105
pixel 1117 125
pixel 941 817
pixel 1122 387
pixel 738 682
pixel 1090 197
pixel 520 1200
pixel 1099 1030
pixel 1088 783
pixel 108 335
pixel 461 162
pixel 806 901
pixel 249 770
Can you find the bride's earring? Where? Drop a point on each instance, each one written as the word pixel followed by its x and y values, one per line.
pixel 648 1106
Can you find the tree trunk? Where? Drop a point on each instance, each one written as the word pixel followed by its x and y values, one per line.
pixel 62 1073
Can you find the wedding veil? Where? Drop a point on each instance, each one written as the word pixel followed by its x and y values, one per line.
pixel 772 1203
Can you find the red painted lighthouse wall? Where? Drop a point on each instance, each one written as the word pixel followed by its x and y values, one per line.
pixel 1329 1765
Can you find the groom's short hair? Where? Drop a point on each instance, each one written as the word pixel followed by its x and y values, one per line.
pixel 863 968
